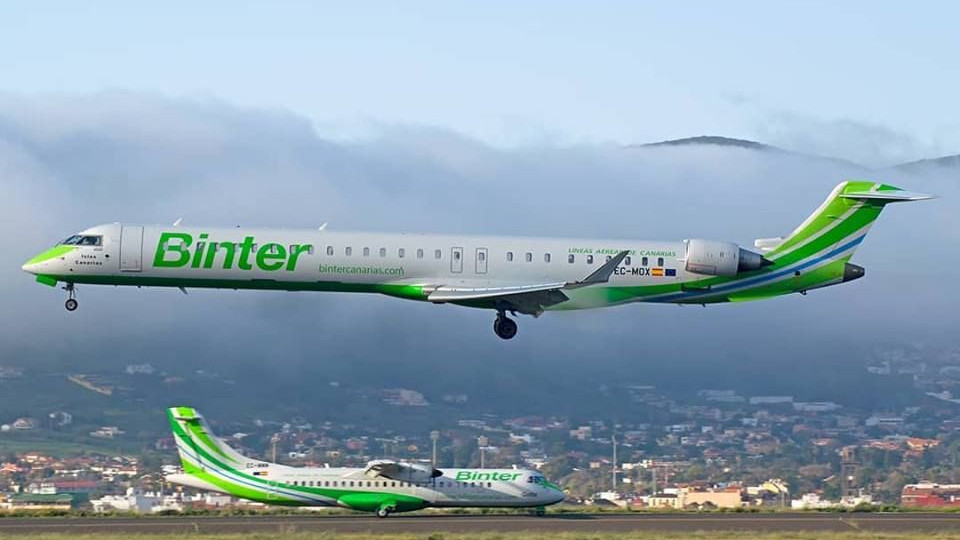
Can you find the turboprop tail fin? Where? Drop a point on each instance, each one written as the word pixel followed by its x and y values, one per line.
pixel 839 225
pixel 197 444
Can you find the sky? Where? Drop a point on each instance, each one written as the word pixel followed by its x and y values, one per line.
pixel 486 118
pixel 863 80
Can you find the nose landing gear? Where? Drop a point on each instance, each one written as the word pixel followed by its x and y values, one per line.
pixel 504 326
pixel 71 303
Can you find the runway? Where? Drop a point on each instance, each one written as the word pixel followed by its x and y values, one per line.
pixel 412 523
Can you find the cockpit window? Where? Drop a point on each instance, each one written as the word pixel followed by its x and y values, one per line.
pixel 73 240
pixel 91 240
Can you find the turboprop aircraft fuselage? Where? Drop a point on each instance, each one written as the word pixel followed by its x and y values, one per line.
pixel 508 274
pixel 382 486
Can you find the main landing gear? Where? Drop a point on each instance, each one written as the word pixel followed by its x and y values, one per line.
pixel 71 303
pixel 384 511
pixel 504 326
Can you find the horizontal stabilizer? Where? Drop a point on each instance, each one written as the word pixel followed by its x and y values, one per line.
pixel 897 195
pixel 767 244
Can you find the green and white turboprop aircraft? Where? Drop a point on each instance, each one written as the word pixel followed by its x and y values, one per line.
pixel 507 274
pixel 382 486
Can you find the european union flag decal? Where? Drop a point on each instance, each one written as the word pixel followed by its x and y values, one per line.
pixel 670 272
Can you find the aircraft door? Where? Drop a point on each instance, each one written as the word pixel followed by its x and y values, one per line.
pixel 481 264
pixel 131 248
pixel 456 260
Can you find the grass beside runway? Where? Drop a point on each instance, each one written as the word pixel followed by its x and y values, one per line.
pixel 291 534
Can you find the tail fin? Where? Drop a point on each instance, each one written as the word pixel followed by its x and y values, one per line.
pixel 195 441
pixel 840 223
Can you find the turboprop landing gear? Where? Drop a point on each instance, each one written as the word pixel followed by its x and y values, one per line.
pixel 383 511
pixel 71 303
pixel 504 326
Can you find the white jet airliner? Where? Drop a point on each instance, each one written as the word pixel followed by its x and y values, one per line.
pixel 383 486
pixel 507 274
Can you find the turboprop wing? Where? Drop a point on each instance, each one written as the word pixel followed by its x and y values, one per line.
pixel 403 472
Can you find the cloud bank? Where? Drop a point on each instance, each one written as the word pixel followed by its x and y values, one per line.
pixel 70 162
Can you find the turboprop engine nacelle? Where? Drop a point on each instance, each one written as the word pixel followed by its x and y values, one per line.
pixel 715 258
pixel 401 471
pixel 415 472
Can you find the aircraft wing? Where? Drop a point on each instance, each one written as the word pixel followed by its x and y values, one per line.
pixel 531 298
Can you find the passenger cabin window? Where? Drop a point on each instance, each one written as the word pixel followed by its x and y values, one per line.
pixel 419 253
pixel 659 261
pixel 528 256
pixel 509 256
pixel 348 251
pixel 383 252
pixel 626 260
pixel 329 250
pixel 571 258
pixel 609 257
pixel 481 256
pixel 437 254
pixel 401 252
pixel 589 259
pixel 546 257
pixel 366 252
pixel 644 262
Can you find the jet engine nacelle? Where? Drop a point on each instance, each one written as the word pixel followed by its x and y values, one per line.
pixel 715 258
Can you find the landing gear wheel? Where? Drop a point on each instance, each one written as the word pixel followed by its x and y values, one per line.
pixel 383 512
pixel 504 327
pixel 71 303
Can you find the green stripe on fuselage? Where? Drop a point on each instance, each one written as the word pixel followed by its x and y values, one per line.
pixel 412 292
pixel 52 253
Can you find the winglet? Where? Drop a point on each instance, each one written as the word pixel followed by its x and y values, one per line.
pixel 602 274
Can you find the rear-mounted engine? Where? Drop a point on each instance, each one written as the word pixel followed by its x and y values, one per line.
pixel 715 258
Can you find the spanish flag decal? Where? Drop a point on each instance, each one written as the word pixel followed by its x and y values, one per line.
pixel 656 271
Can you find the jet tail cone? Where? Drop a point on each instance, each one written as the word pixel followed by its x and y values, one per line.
pixel 765 262
pixel 852 272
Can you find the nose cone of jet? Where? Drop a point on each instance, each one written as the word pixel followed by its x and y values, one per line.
pixel 30 267
pixel 36 265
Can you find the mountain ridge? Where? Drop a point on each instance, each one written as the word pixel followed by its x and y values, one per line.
pixel 747 144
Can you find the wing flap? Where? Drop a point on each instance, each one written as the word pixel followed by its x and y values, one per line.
pixel 459 294
pixel 530 299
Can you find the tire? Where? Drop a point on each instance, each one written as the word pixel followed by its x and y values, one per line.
pixel 71 304
pixel 382 512
pixel 505 327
